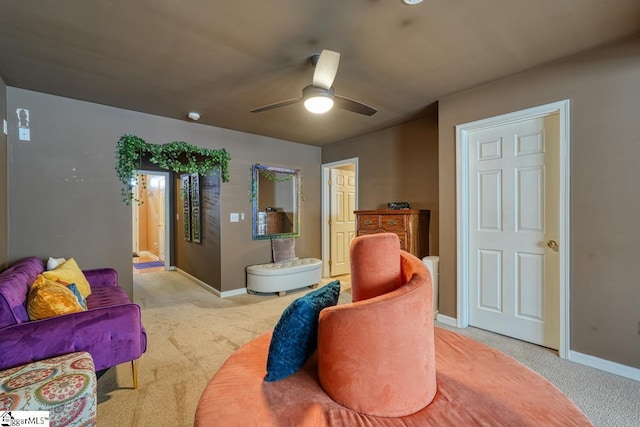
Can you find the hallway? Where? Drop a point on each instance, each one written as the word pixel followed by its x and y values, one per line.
pixel 144 257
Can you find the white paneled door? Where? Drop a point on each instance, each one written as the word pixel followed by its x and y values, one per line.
pixel 343 228
pixel 514 230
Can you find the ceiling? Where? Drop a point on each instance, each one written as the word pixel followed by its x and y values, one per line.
pixel 223 58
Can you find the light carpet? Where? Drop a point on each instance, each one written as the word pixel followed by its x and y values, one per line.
pixel 192 331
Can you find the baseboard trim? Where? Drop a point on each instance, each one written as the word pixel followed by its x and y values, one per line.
pixel 149 254
pixel 574 356
pixel 449 321
pixel 605 365
pixel 233 292
pixel 224 294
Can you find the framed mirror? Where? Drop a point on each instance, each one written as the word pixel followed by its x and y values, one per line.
pixel 276 202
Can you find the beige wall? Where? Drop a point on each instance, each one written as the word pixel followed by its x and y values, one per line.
pixel 396 164
pixel 65 197
pixel 238 248
pixel 3 179
pixel 603 88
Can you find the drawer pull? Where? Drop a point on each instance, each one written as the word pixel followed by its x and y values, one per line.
pixel 392 222
pixel 368 222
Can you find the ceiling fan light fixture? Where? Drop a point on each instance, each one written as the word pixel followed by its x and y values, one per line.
pixel 318 104
pixel 319 96
pixel 317 100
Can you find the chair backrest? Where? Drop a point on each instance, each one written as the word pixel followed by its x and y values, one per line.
pixel 376 355
pixel 375 265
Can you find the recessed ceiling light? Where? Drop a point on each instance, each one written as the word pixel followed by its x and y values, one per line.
pixel 194 116
pixel 411 1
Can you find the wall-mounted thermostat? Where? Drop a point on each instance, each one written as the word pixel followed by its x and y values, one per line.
pixel 24 124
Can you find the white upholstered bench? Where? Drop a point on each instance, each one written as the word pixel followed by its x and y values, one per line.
pixel 283 276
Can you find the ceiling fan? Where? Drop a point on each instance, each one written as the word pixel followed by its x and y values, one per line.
pixel 319 97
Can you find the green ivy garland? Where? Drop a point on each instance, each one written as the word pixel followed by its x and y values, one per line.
pixel 177 156
pixel 271 176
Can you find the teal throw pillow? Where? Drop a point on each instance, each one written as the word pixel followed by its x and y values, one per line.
pixel 295 336
pixel 81 300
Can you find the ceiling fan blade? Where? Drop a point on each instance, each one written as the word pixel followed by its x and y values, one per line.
pixel 354 106
pixel 326 69
pixel 276 105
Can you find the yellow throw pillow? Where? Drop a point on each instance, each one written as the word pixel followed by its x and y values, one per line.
pixel 69 272
pixel 48 298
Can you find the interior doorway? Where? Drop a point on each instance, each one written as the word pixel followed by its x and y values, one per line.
pixel 513 225
pixel 151 225
pixel 339 201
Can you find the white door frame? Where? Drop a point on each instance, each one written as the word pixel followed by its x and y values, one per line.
pixel 326 208
pixel 135 223
pixel 463 192
pixel 167 212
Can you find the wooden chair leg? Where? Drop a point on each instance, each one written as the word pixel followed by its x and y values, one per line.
pixel 134 372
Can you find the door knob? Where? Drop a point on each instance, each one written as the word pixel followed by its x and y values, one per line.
pixel 552 244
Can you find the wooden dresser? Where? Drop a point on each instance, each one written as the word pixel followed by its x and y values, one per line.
pixel 411 226
pixel 275 222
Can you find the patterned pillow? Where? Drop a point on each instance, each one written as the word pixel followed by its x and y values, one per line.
pixel 295 337
pixel 76 293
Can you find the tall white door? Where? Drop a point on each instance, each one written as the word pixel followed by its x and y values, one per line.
pixel 514 277
pixel 343 225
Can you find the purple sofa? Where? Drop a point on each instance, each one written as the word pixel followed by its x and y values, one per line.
pixel 110 329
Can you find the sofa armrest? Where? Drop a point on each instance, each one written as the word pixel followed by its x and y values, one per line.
pixel 112 335
pixel 101 277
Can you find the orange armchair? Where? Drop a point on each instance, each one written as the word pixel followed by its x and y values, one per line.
pixel 376 367
pixel 376 355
